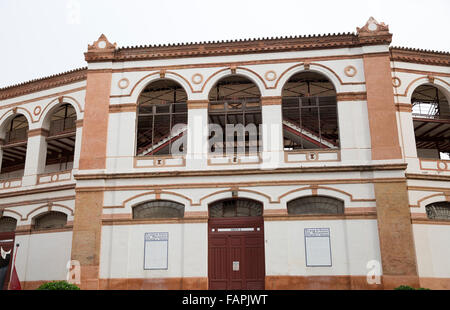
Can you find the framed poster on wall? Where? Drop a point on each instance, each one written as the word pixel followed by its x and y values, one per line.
pixel 156 250
pixel 318 247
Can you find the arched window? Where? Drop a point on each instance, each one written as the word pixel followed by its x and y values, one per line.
pixel 15 147
pixel 157 209
pixel 161 119
pixel 438 210
pixel 309 112
pixel 7 224
pixel 315 205
pixel 61 139
pixel 235 208
pixel 50 220
pixel 431 112
pixel 234 116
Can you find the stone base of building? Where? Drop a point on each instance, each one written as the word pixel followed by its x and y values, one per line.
pixel 320 283
pixel 272 283
pixel 155 284
pixel 435 283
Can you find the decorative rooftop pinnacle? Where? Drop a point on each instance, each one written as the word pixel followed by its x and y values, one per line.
pixel 101 45
pixel 102 50
pixel 373 29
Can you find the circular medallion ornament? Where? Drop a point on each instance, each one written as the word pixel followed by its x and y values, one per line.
pixel 197 78
pixel 7 184
pixel 350 71
pixel 37 110
pixel 101 44
pixel 372 27
pixel 123 83
pixel 396 82
pixel 442 165
pixel 270 75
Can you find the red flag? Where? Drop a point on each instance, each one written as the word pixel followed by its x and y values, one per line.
pixel 15 283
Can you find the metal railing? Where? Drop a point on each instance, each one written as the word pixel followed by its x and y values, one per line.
pixel 16 135
pixel 62 126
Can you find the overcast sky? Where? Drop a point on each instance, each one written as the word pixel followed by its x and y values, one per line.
pixel 40 38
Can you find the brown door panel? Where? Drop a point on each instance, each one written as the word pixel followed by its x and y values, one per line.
pixel 236 253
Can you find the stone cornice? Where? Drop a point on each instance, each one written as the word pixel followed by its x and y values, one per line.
pixel 420 56
pixel 372 33
pixel 246 46
pixel 429 177
pixel 37 190
pixel 44 83
pixel 204 173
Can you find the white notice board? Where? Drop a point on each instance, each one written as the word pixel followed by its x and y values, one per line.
pixel 156 250
pixel 317 247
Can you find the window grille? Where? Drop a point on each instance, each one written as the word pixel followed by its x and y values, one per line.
pixel 235 208
pixel 309 107
pixel 315 205
pixel 17 131
pixel 235 103
pixel 438 210
pixel 50 220
pixel 158 209
pixel 161 119
pixel 7 224
pixel 431 112
pixel 63 120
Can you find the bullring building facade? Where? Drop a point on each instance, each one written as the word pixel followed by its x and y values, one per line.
pixel 306 162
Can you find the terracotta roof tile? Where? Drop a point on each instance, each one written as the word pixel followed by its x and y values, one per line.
pixel 43 83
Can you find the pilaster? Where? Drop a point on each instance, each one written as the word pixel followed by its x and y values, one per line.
pixel 87 224
pixel 380 94
pixel 197 134
pixel 398 257
pixel 272 132
pixel 36 155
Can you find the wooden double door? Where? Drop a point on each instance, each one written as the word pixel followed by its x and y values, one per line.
pixel 236 253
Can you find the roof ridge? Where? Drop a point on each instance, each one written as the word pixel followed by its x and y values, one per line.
pixel 42 78
pixel 413 49
pixel 236 40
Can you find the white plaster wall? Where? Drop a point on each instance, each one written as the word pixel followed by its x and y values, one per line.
pixel 274 196
pixel 43 256
pixel 353 244
pixel 121 141
pixel 432 244
pixel 194 90
pixel 354 132
pixel 406 132
pixel 197 139
pixel 122 251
